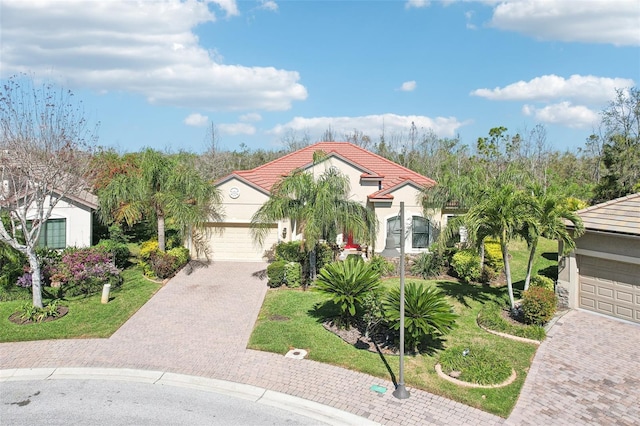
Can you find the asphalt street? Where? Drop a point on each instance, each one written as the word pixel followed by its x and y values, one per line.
pixel 102 402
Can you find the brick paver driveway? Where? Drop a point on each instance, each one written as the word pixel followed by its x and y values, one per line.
pixel 199 324
pixel 587 371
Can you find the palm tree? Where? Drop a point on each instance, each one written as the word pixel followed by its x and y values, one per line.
pixel 549 215
pixel 501 214
pixel 318 209
pixel 160 187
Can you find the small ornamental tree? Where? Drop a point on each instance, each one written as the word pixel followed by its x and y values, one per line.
pixel 44 147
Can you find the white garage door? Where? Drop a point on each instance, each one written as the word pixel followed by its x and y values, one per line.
pixel 233 241
pixel 610 288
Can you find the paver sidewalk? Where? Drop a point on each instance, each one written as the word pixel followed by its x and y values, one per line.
pixel 199 324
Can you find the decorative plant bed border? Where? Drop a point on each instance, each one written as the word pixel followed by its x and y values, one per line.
pixel 509 336
pixel 475 385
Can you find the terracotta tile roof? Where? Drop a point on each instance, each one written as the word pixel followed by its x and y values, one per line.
pixel 621 216
pixel 372 166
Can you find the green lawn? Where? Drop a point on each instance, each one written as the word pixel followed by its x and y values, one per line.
pixel 303 329
pixel 87 317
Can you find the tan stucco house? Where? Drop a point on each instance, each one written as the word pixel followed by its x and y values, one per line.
pixel 603 273
pixel 376 182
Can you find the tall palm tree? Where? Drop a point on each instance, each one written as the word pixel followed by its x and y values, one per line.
pixel 160 187
pixel 317 208
pixel 501 214
pixel 549 215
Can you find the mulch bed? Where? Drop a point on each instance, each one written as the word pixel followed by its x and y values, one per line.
pixel 16 317
pixel 381 340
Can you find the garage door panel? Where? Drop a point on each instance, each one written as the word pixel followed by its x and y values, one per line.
pixel 605 307
pixel 610 287
pixel 235 242
pixel 624 296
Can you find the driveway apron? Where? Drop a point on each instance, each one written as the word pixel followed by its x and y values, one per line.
pixel 199 324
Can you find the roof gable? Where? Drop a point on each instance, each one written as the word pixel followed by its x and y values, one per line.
pixel 621 216
pixel 371 165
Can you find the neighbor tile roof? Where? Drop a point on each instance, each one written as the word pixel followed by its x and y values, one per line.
pixel 621 216
pixel 373 167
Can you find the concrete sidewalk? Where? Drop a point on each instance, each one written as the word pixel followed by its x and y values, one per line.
pixel 199 325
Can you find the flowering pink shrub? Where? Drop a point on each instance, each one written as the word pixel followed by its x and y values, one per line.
pixel 85 271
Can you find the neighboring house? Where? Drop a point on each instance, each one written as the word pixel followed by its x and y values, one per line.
pixel 375 182
pixel 603 273
pixel 70 223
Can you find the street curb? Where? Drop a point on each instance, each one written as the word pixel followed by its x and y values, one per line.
pixel 314 410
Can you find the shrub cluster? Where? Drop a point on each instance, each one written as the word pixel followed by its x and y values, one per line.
pixel 466 265
pixel 119 251
pixel 161 264
pixel 538 305
pixel 542 281
pixel 281 273
pixel 83 271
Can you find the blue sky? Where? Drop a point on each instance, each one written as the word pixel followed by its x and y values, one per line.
pixel 158 73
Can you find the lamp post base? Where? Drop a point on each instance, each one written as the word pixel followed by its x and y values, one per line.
pixel 401 392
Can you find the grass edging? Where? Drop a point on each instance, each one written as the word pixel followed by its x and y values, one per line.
pixel 453 380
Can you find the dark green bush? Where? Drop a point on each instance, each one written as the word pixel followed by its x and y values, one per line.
pixel 491 317
pixel 427 313
pixel 276 273
pixel 427 265
pixel 488 274
pixel 466 265
pixel 293 274
pixel 291 252
pixel 347 283
pixel 542 281
pixel 118 251
pixel 325 254
pixel 477 364
pixel 538 305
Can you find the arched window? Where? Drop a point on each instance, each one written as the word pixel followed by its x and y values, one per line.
pixel 393 230
pixel 420 232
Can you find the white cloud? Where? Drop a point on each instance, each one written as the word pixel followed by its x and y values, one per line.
pixel 196 119
pixel 252 116
pixel 592 21
pixel 588 89
pixel 565 114
pixel 416 4
pixel 268 5
pixel 408 86
pixel 236 129
pixel 145 47
pixel 370 125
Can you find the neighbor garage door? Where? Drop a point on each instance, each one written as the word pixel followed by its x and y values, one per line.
pixel 609 287
pixel 233 241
